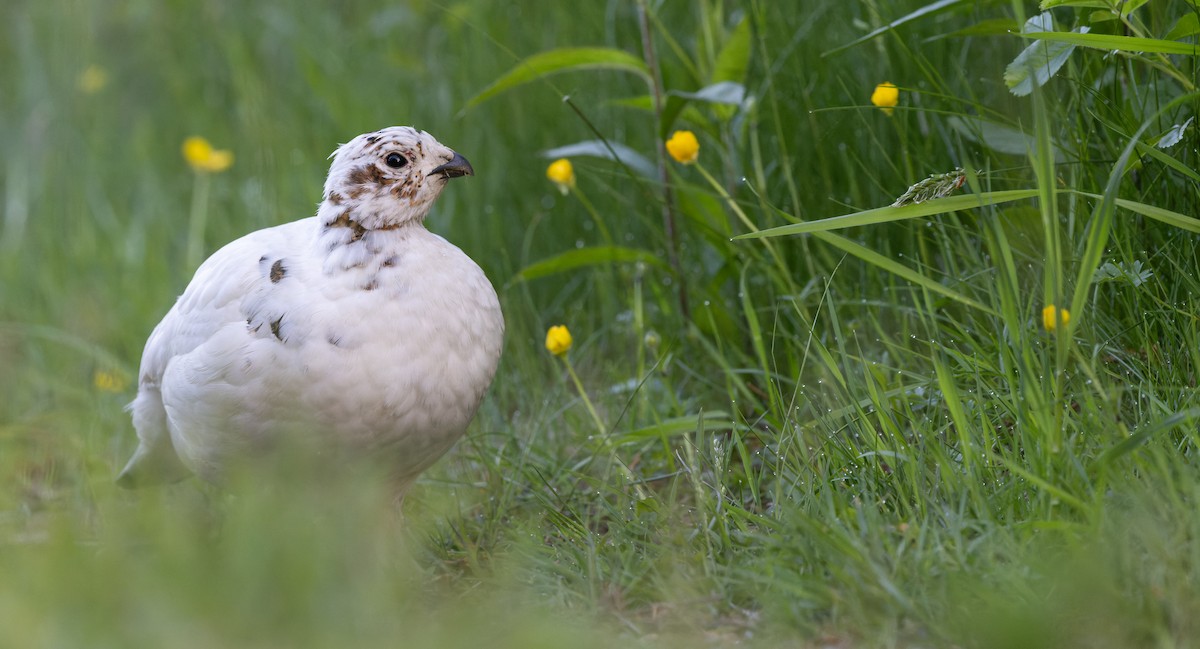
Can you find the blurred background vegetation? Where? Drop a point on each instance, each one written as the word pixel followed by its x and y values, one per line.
pixel 856 438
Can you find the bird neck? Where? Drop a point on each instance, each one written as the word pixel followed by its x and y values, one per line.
pixel 349 236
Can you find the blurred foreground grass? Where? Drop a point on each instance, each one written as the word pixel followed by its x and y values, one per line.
pixel 855 438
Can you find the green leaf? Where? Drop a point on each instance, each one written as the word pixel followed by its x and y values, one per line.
pixel 545 64
pixel 1187 25
pixel 1162 215
pixel 896 268
pixel 1163 157
pixel 711 420
pixel 584 258
pixel 889 214
pixel 724 92
pixel 1139 438
pixel 734 58
pixel 1034 66
pixel 677 108
pixel 996 136
pixel 609 151
pixel 1109 42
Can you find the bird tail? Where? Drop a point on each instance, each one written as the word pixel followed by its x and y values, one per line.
pixel 145 469
pixel 154 461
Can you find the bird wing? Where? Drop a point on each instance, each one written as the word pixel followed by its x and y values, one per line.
pixel 233 286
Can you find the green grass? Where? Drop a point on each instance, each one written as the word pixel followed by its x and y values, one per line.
pixel 861 435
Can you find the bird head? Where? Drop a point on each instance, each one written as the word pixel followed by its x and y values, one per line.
pixel 385 179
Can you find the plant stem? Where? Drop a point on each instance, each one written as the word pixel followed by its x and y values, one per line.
pixel 603 431
pixel 600 427
pixel 591 210
pixel 669 225
pixel 197 221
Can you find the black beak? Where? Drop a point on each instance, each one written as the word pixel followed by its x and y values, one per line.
pixel 458 166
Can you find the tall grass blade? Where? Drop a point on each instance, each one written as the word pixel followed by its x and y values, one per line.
pixel 562 60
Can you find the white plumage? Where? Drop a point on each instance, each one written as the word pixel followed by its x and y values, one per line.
pixel 356 331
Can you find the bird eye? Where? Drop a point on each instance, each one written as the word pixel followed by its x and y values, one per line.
pixel 395 160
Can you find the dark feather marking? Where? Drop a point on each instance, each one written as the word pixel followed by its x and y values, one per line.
pixel 278 271
pixel 335 198
pixel 390 261
pixel 262 259
pixel 359 176
pixel 344 221
pixel 336 341
pixel 275 326
pixel 371 284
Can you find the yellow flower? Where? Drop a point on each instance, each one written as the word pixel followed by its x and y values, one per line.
pixel 561 173
pixel 886 96
pixel 92 80
pixel 1050 321
pixel 558 340
pixel 203 157
pixel 108 381
pixel 684 147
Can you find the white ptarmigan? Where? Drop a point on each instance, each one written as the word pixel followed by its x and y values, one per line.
pixel 354 332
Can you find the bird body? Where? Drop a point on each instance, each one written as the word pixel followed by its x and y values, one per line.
pixel 356 331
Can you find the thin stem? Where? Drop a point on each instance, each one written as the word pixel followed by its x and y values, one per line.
pixel 600 427
pixel 591 210
pixel 197 221
pixel 737 209
pixel 669 222
pixel 608 445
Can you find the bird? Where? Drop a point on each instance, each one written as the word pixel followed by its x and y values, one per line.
pixel 356 332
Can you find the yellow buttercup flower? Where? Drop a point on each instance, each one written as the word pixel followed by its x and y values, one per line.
pixel 1050 321
pixel 684 147
pixel 562 173
pixel 203 157
pixel 558 340
pixel 886 96
pixel 92 80
pixel 109 381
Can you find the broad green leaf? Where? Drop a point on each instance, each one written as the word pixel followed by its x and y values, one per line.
pixel 725 92
pixel 545 64
pixel 1034 66
pixel 997 137
pixel 645 103
pixel 584 258
pixel 923 11
pixel 1187 25
pixel 609 151
pixel 1121 43
pixel 889 214
pixel 734 58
